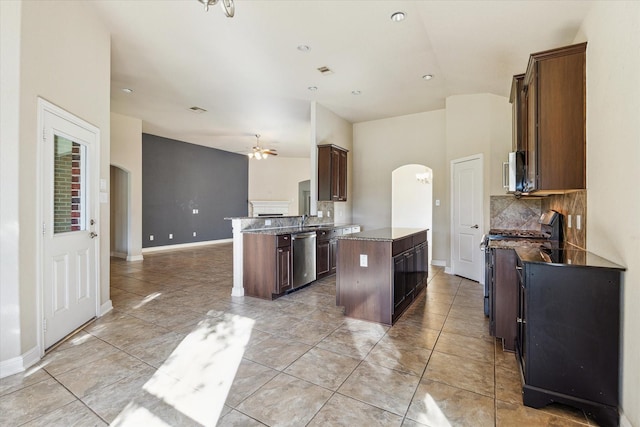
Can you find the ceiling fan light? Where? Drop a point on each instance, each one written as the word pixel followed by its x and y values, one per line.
pixel 265 155
pixel 258 155
pixel 250 155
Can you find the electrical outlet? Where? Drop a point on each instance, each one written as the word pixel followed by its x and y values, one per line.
pixel 151 237
pixel 569 221
pixel 194 234
pixel 579 222
pixel 170 236
pixel 328 214
pixel 267 222
pixel 363 260
pixel 319 214
pixel 437 202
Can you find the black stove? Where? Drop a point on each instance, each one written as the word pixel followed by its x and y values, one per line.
pixel 550 236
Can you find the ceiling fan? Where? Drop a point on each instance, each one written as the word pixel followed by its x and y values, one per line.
pixel 257 152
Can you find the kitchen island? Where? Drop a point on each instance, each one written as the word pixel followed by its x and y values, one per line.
pixel 381 272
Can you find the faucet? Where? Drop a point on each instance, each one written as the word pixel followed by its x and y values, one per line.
pixel 304 219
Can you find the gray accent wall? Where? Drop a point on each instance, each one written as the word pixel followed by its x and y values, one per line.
pixel 178 177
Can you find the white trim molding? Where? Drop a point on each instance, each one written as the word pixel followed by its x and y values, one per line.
pixel 20 363
pixel 135 258
pixel 624 421
pixel 439 262
pixel 183 246
pixel 105 308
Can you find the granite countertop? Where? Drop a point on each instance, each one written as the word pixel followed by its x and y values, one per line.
pixel 297 229
pixel 384 234
pixel 566 257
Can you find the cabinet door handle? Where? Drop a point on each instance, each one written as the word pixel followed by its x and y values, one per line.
pixel 521 320
pixel 519 268
pixel 505 175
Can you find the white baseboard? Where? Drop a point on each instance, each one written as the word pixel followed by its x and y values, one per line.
pixel 448 270
pixel 184 246
pixel 135 258
pixel 20 363
pixel 105 308
pixel 624 421
pixel 119 255
pixel 439 262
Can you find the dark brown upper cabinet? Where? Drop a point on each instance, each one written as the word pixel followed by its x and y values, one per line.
pixel 519 107
pixel 332 173
pixel 555 92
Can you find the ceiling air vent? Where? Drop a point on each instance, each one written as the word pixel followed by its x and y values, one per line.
pixel 197 110
pixel 325 70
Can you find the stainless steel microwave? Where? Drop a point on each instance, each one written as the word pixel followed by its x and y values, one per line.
pixel 513 173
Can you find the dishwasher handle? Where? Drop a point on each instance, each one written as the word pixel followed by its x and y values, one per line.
pixel 309 235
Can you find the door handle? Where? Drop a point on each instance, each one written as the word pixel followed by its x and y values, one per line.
pixel 474 226
pixel 93 235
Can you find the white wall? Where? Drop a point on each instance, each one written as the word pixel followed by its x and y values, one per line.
pixel 612 30
pixel 277 178
pixel 10 18
pixel 379 147
pixel 68 65
pixel 329 128
pixel 481 123
pixel 126 153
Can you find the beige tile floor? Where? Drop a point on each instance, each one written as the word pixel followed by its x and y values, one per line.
pixel 178 350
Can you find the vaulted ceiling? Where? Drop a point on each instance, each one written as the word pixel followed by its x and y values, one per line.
pixel 250 76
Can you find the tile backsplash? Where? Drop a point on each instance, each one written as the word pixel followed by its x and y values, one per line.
pixel 508 212
pixel 574 204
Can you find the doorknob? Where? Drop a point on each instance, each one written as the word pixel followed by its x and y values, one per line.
pixel 474 226
pixel 93 235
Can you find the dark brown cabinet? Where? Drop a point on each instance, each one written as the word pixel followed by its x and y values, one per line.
pixel 332 173
pixel 555 142
pixel 503 296
pixel 380 272
pixel 267 265
pixel 519 107
pixel 283 274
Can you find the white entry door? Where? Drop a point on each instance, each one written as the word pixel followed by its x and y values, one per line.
pixel 467 221
pixel 69 213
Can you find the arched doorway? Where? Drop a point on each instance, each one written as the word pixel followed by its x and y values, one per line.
pixel 411 198
pixel 120 213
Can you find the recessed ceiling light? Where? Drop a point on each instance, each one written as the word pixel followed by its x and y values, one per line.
pixel 355 92
pixel 304 48
pixel 398 16
pixel 313 88
pixel 127 90
pixel 427 76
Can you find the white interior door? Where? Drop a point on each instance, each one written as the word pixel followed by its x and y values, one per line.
pixel 467 221
pixel 69 214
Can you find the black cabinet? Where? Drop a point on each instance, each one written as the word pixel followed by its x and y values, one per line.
pixel 410 271
pixel 568 329
pixel 332 173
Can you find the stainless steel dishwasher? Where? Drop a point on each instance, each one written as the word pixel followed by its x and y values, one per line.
pixel 304 258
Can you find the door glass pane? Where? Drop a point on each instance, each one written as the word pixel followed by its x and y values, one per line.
pixel 68 186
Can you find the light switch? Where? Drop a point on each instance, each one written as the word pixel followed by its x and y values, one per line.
pixel 569 221
pixel 363 260
pixel 103 184
pixel 328 214
pixel 578 222
pixel 319 214
pixel 437 202
pixel 151 237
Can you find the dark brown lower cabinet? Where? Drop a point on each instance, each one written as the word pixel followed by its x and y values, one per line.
pixel 267 264
pixel 322 258
pixel 504 294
